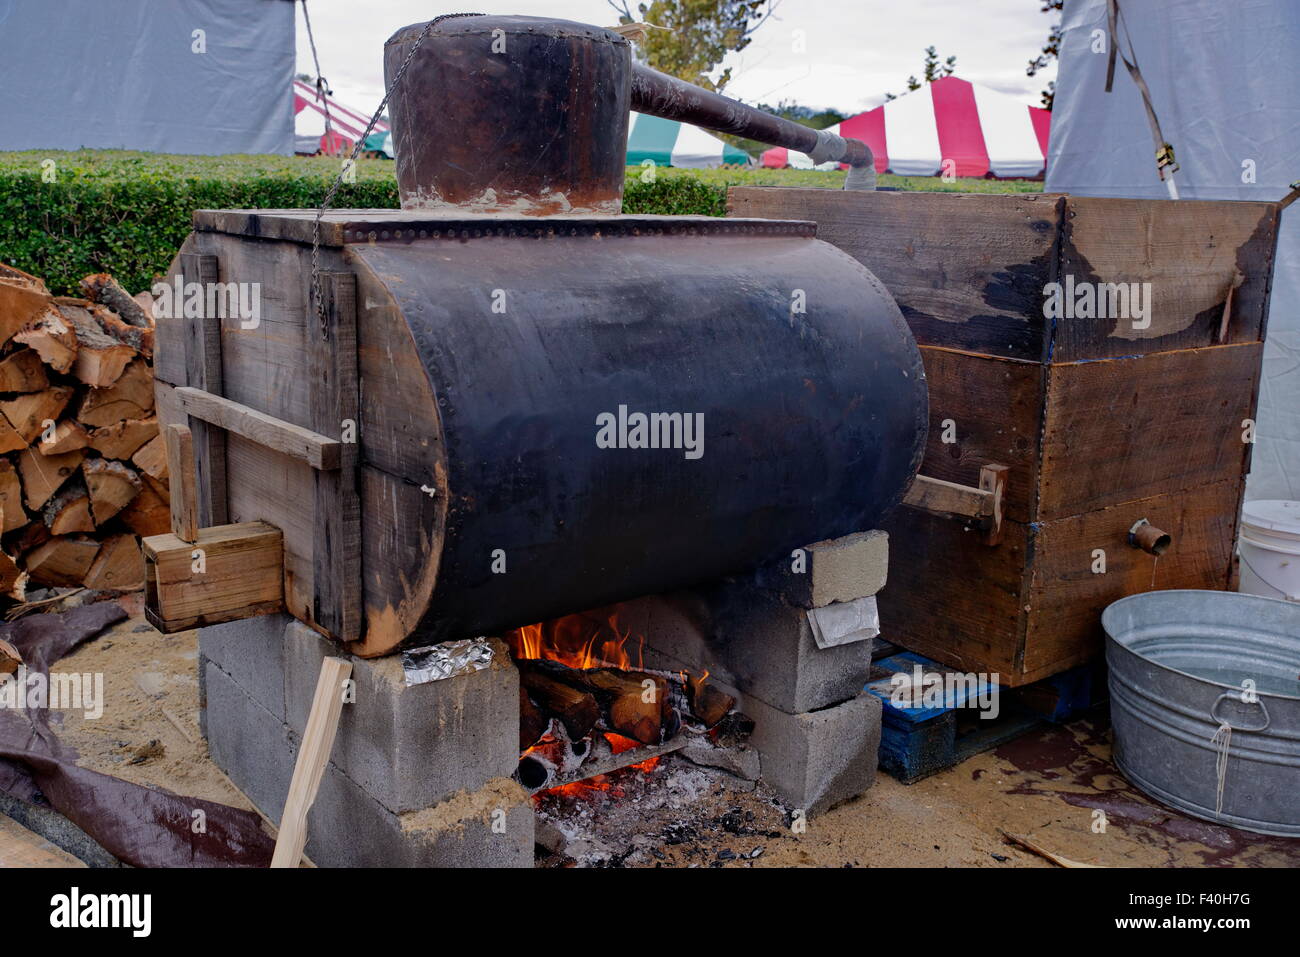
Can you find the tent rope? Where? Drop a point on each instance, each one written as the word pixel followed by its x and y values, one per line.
pixel 1166 165
pixel 322 88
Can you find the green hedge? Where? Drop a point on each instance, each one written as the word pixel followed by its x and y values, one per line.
pixel 127 213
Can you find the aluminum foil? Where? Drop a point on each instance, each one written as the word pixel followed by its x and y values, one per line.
pixel 451 658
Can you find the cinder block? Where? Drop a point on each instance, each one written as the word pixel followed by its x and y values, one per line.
pixel 818 759
pixel 251 651
pixel 347 827
pixel 248 742
pixel 491 827
pixel 747 637
pixel 838 569
pixel 203 695
pixel 411 748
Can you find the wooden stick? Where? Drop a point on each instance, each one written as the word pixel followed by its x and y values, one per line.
pixel 184 482
pixel 1042 852
pixel 318 451
pixel 317 743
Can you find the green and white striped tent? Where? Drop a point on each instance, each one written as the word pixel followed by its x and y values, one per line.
pixel 670 143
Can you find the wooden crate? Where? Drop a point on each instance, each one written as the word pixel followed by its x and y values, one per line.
pixel 1102 421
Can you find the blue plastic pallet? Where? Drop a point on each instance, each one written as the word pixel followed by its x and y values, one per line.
pixel 916 742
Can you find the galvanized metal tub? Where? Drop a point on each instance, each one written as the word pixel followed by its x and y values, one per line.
pixel 1182 665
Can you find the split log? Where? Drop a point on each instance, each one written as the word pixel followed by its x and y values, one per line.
pixel 31 536
pixel 130 397
pixel 68 436
pixel 10 659
pixel 112 486
pixel 101 359
pixel 577 710
pixel 121 441
pixel 708 704
pixel 52 337
pixel 119 565
pixel 62 561
pixel 149 513
pixel 532 722
pixel 10 440
pixel 103 289
pixel 28 414
pixel 43 474
pixel 21 303
pixel 134 337
pixel 151 459
pixel 68 510
pixel 14 274
pixel 23 371
pixel 11 498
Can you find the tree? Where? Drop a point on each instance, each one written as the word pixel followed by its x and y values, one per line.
pixel 931 70
pixel 1051 50
pixel 696 35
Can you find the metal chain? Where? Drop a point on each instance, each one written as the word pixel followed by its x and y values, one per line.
pixel 356 151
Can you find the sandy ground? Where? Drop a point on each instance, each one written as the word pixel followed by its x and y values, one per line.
pixel 1055 787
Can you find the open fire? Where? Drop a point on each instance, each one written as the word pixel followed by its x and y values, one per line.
pixel 586 708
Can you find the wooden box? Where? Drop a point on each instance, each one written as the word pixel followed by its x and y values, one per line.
pixel 1105 416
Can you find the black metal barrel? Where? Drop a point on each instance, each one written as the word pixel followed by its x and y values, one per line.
pixel 544 341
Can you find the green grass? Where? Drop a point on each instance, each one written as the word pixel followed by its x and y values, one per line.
pixel 127 213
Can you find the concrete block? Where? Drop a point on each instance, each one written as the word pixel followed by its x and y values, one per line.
pixel 411 748
pixel 248 742
pixel 838 569
pixel 491 827
pixel 251 652
pixel 818 759
pixel 747 637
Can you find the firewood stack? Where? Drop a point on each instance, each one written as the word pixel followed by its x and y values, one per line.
pixel 83 470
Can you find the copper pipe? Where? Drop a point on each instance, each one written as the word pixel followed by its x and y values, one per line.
pixel 1150 539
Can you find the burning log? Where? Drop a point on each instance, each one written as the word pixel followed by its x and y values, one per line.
pixel 575 708
pixel 554 755
pixel 532 722
pixel 633 703
pixel 708 704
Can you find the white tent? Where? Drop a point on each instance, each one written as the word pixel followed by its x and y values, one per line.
pixel 1224 86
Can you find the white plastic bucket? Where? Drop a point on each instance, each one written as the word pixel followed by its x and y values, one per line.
pixel 1270 549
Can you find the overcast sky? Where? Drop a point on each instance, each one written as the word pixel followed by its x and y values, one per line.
pixel 855 51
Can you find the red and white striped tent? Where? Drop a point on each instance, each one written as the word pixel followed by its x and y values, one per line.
pixel 348 124
pixel 975 130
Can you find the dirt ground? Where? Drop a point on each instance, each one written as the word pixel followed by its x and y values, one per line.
pixel 1055 787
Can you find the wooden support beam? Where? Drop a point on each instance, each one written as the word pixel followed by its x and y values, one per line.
pixel 229 572
pixel 183 478
pixel 334 404
pixel 993 480
pixel 318 451
pixel 203 371
pixel 317 743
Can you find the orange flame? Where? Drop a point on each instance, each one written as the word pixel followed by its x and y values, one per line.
pixel 578 641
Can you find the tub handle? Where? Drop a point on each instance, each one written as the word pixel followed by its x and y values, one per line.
pixel 1236 696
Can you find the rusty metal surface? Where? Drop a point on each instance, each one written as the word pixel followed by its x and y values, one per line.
pixel 503 113
pixel 814 416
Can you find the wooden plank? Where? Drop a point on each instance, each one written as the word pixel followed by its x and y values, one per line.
pixel 984 409
pixel 184 495
pixel 946 498
pixel 950 597
pixel 203 371
pixel 335 401
pixel 318 451
pixel 317 743
pixel 1066 596
pixel 1126 429
pixel 230 572
pixel 1189 251
pixel 967 270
